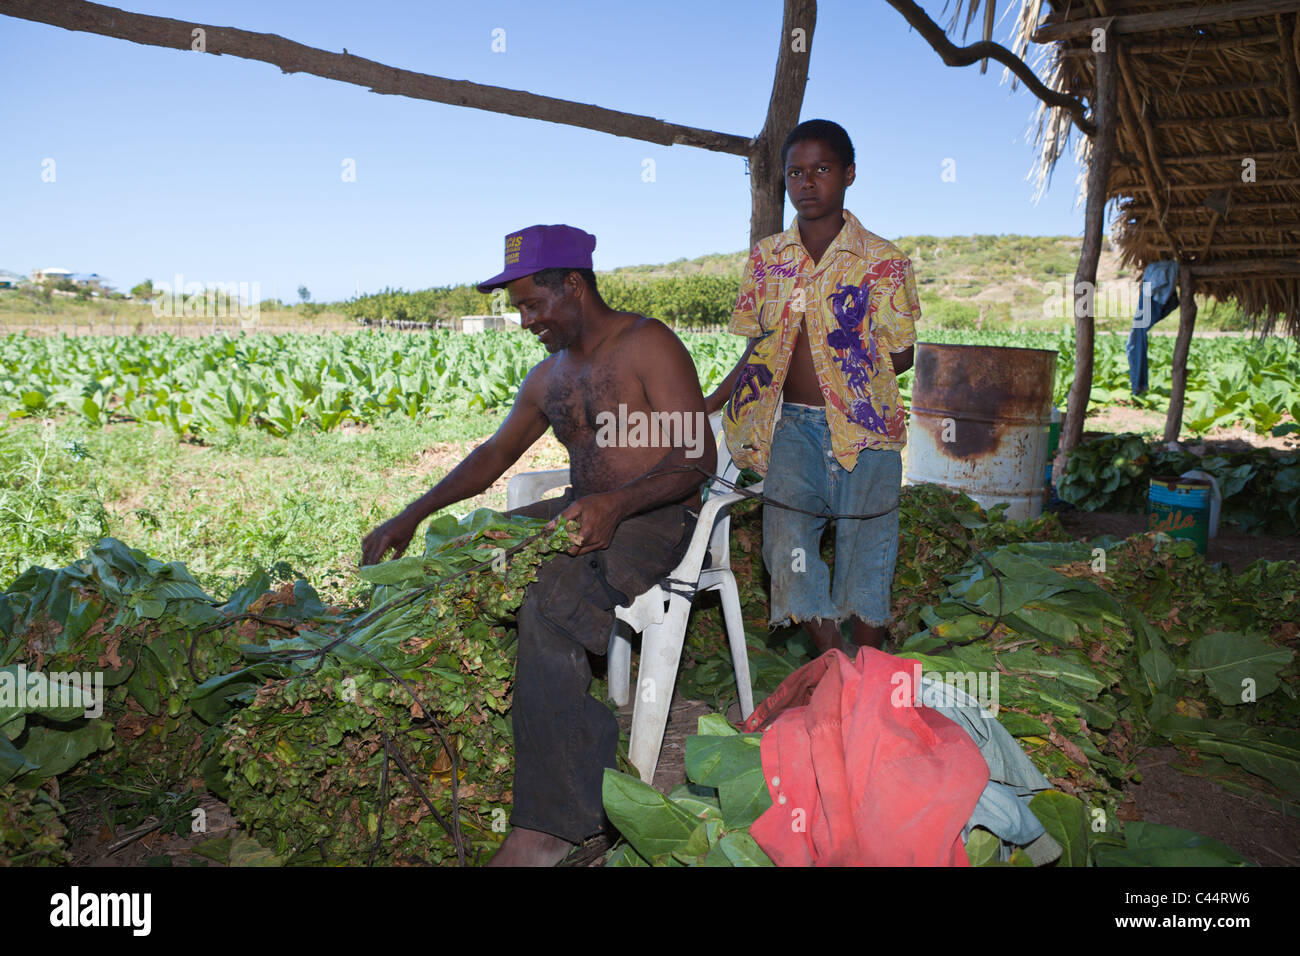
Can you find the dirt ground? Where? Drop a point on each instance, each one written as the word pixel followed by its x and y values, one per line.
pixel 1251 824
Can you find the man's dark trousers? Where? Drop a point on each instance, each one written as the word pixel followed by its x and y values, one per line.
pixel 564 737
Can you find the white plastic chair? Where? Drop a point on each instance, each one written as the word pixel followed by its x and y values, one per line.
pixel 660 615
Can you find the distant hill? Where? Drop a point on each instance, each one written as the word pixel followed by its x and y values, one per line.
pixel 958 277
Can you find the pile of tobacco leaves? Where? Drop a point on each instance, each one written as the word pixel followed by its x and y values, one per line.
pixel 381 734
pixel 1099 648
pixel 369 735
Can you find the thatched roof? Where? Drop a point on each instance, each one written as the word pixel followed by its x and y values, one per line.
pixel 1204 86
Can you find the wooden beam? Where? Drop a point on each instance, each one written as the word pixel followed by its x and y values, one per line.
pixel 1137 206
pixel 1106 117
pixel 1215 184
pixel 293 57
pixel 1217 88
pixel 1209 236
pixel 1222 247
pixel 1202 120
pixel 1286 34
pixel 1186 50
pixel 766 173
pixel 1286 267
pixel 1193 159
pixel 964 56
pixel 1191 15
pixel 1236 229
pixel 1182 346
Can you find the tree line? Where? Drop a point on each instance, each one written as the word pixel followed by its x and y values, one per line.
pixel 687 302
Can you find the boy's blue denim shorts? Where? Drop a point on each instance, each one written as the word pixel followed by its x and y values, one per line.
pixel 802 471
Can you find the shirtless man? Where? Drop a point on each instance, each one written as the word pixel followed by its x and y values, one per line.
pixel 631 494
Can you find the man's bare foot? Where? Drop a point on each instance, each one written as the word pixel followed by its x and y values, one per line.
pixel 530 848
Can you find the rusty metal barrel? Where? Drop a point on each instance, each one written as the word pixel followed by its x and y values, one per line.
pixel 980 422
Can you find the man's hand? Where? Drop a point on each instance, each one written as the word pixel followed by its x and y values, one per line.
pixel 597 516
pixel 395 533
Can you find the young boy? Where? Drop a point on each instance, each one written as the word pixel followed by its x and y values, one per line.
pixel 830 312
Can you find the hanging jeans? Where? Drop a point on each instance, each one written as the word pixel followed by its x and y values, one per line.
pixel 1157 298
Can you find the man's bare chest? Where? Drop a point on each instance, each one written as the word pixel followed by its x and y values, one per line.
pixel 577 393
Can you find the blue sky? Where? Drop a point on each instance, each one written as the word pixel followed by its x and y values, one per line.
pixel 223 169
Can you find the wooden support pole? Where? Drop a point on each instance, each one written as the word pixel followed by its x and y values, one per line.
pixel 766 173
pixel 1105 117
pixel 1182 346
pixel 293 57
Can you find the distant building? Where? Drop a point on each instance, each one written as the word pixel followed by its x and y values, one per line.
pixel 92 280
pixel 9 280
pixel 481 323
pixel 50 275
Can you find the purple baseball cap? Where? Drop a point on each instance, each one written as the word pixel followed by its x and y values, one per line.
pixel 542 247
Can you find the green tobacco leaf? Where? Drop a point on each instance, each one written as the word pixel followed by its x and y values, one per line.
pixel 715 725
pixel 1153 844
pixel 217 848
pixel 1157 668
pixel 12 762
pixel 39 695
pixel 711 761
pixel 1233 664
pixel 734 766
pixel 245 851
pixel 1067 672
pixel 741 849
pixel 1269 752
pixel 1064 818
pixel 982 847
pixel 702 808
pixel 54 751
pixel 648 820
pixel 1022 725
pixel 696 846
pixel 624 855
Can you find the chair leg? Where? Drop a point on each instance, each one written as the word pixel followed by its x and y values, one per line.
pixel 619 666
pixel 661 652
pixel 736 637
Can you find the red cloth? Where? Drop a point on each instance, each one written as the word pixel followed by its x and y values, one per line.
pixel 858 775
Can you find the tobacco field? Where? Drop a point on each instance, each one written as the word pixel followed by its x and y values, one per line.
pixel 283 383
pixel 361 716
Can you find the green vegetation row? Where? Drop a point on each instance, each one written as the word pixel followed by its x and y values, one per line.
pixel 282 383
pixel 277 383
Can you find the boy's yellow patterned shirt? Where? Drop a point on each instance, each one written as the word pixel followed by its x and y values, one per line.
pixel 859 304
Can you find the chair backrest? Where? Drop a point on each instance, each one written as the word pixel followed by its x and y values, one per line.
pixel 719 542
